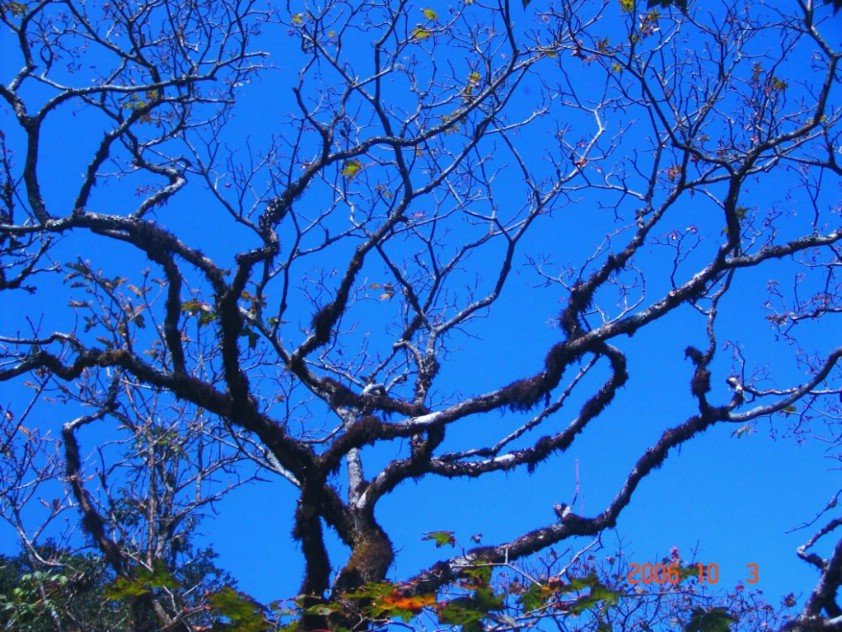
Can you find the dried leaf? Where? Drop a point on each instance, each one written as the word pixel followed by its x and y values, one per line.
pixel 412 603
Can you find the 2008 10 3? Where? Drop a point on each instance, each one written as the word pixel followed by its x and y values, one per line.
pixel 672 573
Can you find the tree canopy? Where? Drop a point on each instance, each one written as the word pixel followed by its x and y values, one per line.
pixel 349 248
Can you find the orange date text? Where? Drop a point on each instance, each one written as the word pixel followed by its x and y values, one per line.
pixel 673 573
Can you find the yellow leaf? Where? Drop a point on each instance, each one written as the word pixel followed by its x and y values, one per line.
pixel 298 19
pixel 351 168
pixel 430 14
pixel 420 33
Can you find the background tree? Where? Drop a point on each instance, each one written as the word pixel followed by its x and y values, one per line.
pixel 200 309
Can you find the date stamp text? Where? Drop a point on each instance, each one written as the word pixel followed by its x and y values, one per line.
pixel 673 573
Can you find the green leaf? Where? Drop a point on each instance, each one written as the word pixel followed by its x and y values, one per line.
pixel 245 613
pixel 159 576
pixel 324 609
pixel 478 576
pixel 627 6
pixel 206 317
pixel 192 306
pixel 535 597
pixel 144 581
pixel 467 611
pixel 604 594
pixel 598 593
pixel 461 611
pixel 441 538
pixel 430 14
pixel 203 310
pixel 487 601
pixel 713 620
pixel 351 168
pixel 123 587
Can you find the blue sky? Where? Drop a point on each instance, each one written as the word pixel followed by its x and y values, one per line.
pixel 733 499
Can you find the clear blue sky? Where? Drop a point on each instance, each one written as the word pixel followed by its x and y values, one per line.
pixel 733 499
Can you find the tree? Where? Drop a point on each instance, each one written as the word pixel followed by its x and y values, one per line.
pixel 66 591
pixel 413 177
